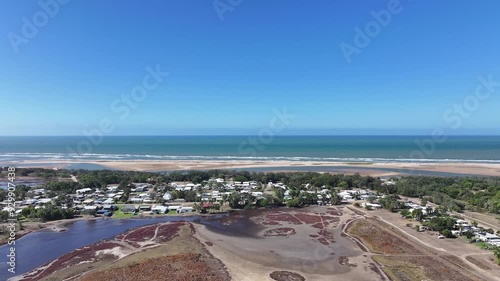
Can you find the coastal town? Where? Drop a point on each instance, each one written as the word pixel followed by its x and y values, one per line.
pixel 153 198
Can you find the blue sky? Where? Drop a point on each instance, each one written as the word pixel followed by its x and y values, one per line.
pixel 227 76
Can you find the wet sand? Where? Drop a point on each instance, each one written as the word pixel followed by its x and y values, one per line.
pixel 308 241
pixel 364 168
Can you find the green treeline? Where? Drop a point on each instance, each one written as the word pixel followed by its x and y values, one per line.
pixel 453 193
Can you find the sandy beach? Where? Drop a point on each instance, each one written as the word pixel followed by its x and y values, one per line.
pixel 363 168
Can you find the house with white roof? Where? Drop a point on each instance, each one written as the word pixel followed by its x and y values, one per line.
pixel 83 191
pixel 167 196
pixel 136 200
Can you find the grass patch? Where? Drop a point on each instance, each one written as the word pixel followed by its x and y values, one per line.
pixel 121 215
pixel 378 240
pixel 401 270
pixel 417 268
pixel 482 245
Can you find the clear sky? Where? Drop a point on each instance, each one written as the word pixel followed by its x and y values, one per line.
pixel 226 76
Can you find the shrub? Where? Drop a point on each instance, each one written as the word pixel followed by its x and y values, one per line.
pixel 447 233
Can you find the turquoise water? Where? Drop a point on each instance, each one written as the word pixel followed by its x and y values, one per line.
pixel 298 148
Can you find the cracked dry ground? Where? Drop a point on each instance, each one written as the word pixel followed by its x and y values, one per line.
pixel 166 251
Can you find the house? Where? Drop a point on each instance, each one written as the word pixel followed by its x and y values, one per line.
pixel 129 209
pixel 30 202
pixel 112 187
pixel 40 191
pixel 136 200
pixel 111 195
pixel 145 208
pixel 182 210
pixel 364 197
pixel 88 201
pixel 105 213
pixel 90 208
pixel 167 196
pixel 189 187
pixel 486 237
pixel 346 196
pixel 109 208
pixel 174 208
pixel 83 191
pixel 160 209
pixel 372 206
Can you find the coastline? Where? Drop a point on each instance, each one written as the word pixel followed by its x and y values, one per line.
pixel 363 168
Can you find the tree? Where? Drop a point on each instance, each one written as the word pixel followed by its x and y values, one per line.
pixel 490 230
pixel 235 200
pixel 441 223
pixel 423 202
pixel 190 196
pixel 336 199
pixel 496 252
pixel 240 178
pixel 417 214
pixel 279 193
pixel 405 213
pixel 293 203
pixel 390 203
pixel 468 234
pixel 125 197
pixel 343 185
pixel 447 233
pixel 4 216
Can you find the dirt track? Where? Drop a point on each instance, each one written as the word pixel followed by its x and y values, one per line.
pixel 406 254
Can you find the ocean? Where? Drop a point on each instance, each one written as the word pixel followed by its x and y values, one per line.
pixel 477 149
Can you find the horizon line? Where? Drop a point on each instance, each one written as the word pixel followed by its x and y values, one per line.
pixel 251 135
